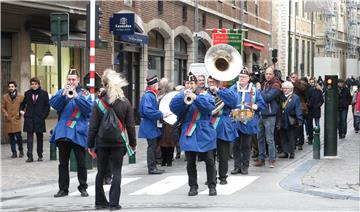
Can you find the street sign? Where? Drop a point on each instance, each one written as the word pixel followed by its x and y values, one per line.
pixel 233 39
pixel 59 26
pixel 122 23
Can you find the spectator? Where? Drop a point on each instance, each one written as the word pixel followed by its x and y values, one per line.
pixel 315 102
pixel 344 100
pixel 356 109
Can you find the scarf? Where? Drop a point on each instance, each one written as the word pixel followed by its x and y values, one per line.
pixel 152 90
pixel 357 106
pixel 13 95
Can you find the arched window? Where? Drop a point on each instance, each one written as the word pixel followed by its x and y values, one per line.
pixel 156 54
pixel 180 63
pixel 201 52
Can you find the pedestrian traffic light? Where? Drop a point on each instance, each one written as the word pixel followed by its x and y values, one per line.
pixel 331 106
pixel 98 16
pixel 329 83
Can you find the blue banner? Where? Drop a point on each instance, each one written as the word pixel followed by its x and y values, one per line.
pixel 135 38
pixel 122 23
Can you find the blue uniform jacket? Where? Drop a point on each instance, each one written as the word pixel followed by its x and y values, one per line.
pixel 225 129
pixel 203 138
pixel 292 106
pixel 150 113
pixel 251 127
pixel 78 132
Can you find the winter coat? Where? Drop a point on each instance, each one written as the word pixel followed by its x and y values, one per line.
pixel 344 98
pixel 11 111
pixel 316 99
pixel 301 90
pixel 35 112
pixel 271 93
pixel 125 113
pixel 74 116
pixel 225 129
pixel 251 127
pixel 292 108
pixel 203 136
pixel 150 114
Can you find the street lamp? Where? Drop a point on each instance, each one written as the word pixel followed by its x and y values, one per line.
pixel 48 59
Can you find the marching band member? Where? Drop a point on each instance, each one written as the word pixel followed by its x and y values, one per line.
pixel 198 137
pixel 249 103
pixel 225 129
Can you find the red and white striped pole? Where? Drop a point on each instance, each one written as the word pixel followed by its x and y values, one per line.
pixel 92 49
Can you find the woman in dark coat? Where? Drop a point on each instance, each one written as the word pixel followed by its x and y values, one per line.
pixel 110 151
pixel 35 108
pixel 316 100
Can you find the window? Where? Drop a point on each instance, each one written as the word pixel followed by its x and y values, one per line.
pixel 128 2
pixel 184 13
pixel 296 9
pixel 160 7
pixel 308 57
pixel 220 6
pixel 234 26
pixel 290 55
pixel 203 23
pixel 257 7
pixel 303 9
pixel 245 5
pixel 303 58
pixel 220 23
pixel 296 55
pixel 156 40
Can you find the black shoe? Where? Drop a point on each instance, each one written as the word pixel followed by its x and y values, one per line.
pixel 40 159
pixel 84 193
pixel 310 141
pixel 21 154
pixel 101 207
pixel 29 160
pixel 283 155
pixel 356 131
pixel 169 164
pixel 236 171
pixel 177 155
pixel 61 193
pixel 223 182
pixel 292 155
pixel 244 171
pixel 193 191
pixel 115 208
pixel 212 192
pixel 156 171
pixel 14 155
pixel 300 147
pixel 163 163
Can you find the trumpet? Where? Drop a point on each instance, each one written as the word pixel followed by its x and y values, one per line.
pixel 70 91
pixel 188 99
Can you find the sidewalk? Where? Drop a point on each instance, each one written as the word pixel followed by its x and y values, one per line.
pixel 331 177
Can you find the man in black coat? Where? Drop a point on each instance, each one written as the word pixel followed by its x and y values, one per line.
pixel 35 109
pixel 343 106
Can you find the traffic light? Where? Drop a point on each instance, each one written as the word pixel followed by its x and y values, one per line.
pixel 329 83
pixel 331 110
pixel 98 16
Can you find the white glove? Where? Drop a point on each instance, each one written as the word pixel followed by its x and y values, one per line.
pixel 214 89
pixel 254 107
pixel 192 95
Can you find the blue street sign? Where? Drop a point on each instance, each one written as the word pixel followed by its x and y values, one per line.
pixel 135 38
pixel 122 23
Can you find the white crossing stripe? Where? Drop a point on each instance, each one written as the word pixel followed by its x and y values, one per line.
pixel 91 189
pixel 164 186
pixel 235 183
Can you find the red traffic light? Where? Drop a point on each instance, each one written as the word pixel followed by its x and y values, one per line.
pixel 329 81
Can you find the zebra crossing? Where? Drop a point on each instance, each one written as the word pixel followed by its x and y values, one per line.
pixel 168 184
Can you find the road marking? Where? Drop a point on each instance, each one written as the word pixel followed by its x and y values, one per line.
pixel 91 189
pixel 164 186
pixel 235 183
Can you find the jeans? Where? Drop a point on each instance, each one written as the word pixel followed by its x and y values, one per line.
pixel 65 146
pixel 357 123
pixel 342 121
pixel 106 156
pixel 266 132
pixel 241 149
pixel 16 138
pixel 151 153
pixel 317 122
pixel 39 148
pixel 208 158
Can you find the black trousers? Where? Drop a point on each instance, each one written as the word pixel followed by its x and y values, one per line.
pixel 114 156
pixel 39 146
pixel 65 146
pixel 288 139
pixel 208 158
pixel 300 135
pixel 151 153
pixel 223 152
pixel 242 148
pixel 167 155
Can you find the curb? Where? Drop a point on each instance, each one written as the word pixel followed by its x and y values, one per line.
pixel 293 182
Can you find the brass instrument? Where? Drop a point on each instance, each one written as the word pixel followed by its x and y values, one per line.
pixel 70 91
pixel 188 99
pixel 223 62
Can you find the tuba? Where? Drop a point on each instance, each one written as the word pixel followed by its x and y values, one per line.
pixel 223 62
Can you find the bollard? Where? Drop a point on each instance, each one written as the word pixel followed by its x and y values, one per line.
pixel 53 151
pixel 73 164
pixel 316 143
pixel 132 158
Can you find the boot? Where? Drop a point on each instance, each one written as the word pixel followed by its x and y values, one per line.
pixel 21 154
pixel 193 191
pixel 14 155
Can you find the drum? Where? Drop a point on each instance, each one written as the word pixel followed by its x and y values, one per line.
pixel 242 115
pixel 164 107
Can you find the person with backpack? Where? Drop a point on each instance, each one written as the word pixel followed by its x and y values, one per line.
pixel 73 105
pixel 112 133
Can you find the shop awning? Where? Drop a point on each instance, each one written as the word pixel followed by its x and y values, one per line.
pixel 255 45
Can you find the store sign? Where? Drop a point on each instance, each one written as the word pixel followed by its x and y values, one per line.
pixel 135 38
pixel 233 39
pixel 122 23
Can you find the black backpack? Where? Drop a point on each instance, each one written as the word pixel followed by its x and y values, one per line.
pixel 109 130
